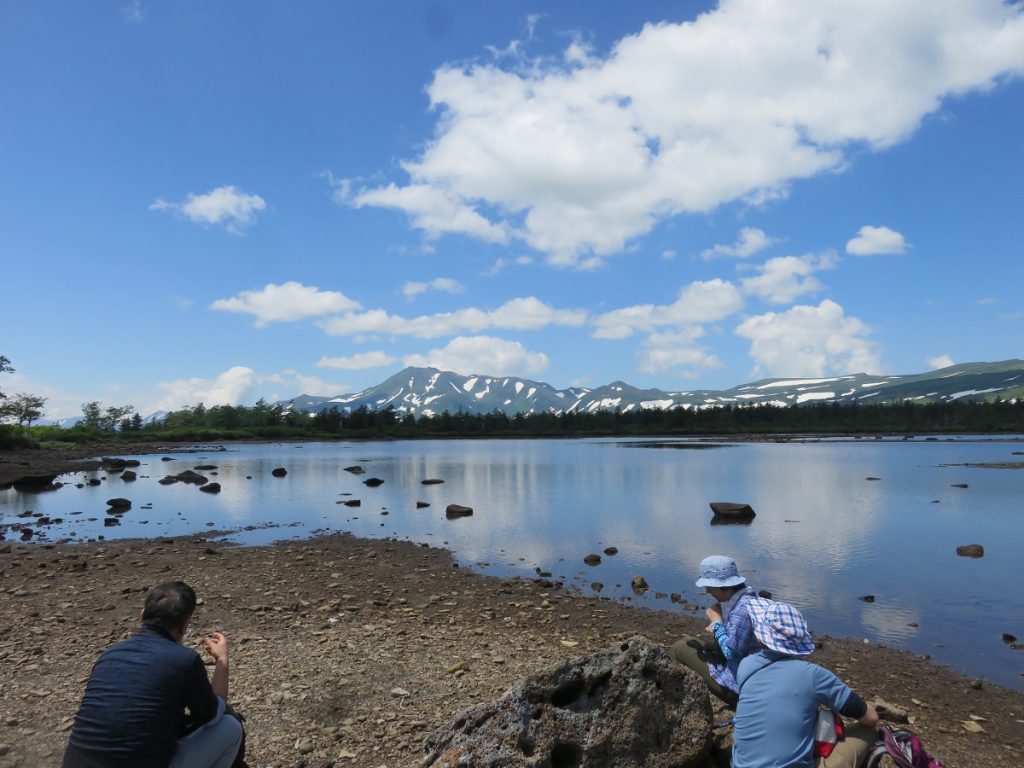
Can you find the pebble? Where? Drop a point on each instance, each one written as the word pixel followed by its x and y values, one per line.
pixel 304 747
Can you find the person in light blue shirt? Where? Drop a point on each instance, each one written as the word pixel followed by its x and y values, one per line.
pixel 716 660
pixel 780 694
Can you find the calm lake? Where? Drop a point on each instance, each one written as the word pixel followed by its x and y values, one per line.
pixel 824 534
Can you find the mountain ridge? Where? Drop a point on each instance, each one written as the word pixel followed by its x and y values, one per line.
pixel 430 391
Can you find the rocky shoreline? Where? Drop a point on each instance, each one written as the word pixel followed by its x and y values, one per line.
pixel 349 651
pixel 36 466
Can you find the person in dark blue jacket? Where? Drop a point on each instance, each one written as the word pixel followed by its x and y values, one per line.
pixel 133 712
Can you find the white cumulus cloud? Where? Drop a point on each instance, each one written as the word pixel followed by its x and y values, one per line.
pixel 785 278
pixel 357 362
pixel 523 314
pixel 699 302
pixel 433 210
pixel 750 241
pixel 413 289
pixel 502 263
pixel 285 302
pixel 810 341
pixel 223 205
pixel 240 385
pixel 677 352
pixel 876 240
pixel 942 361
pixel 294 383
pixel 231 387
pixel 578 155
pixel 482 354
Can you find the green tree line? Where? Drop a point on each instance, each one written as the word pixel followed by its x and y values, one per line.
pixel 273 421
pixel 266 421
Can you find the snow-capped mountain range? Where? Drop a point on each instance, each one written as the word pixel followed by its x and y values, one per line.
pixel 428 391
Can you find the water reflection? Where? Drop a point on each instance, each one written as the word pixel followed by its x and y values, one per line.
pixel 823 534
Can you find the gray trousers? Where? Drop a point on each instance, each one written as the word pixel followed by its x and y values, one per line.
pixel 212 746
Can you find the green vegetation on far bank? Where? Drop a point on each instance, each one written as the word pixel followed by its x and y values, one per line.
pixel 272 422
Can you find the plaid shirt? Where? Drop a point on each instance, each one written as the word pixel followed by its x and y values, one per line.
pixel 736 638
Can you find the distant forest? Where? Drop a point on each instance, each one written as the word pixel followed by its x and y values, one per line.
pixel 266 421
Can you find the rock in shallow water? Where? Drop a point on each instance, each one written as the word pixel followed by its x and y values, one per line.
pixel 457 510
pixel 625 707
pixel 726 511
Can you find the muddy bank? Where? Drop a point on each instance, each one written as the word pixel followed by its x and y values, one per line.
pixel 351 651
pixel 40 463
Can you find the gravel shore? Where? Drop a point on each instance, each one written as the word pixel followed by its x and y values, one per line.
pixel 349 651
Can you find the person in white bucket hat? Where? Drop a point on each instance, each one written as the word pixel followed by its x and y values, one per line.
pixel 780 695
pixel 717 658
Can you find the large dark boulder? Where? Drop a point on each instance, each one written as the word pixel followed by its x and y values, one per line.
pixel 457 510
pixel 971 550
pixel 729 512
pixel 628 706
pixel 36 483
pixel 128 476
pixel 119 505
pixel 188 476
pixel 210 488
pixel 373 482
pixel 279 472
pixel 114 464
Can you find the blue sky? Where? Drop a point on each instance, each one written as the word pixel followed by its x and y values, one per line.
pixel 221 201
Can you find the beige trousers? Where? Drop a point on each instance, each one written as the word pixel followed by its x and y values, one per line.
pixel 687 656
pixel 853 750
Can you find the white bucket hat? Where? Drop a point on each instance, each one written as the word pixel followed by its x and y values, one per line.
pixel 781 627
pixel 719 571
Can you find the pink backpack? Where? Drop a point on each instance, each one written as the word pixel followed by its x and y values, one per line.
pixel 904 749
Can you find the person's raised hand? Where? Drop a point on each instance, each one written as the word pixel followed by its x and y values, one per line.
pixel 714 613
pixel 217 646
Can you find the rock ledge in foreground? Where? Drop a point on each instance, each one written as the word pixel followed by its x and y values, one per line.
pixel 624 707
